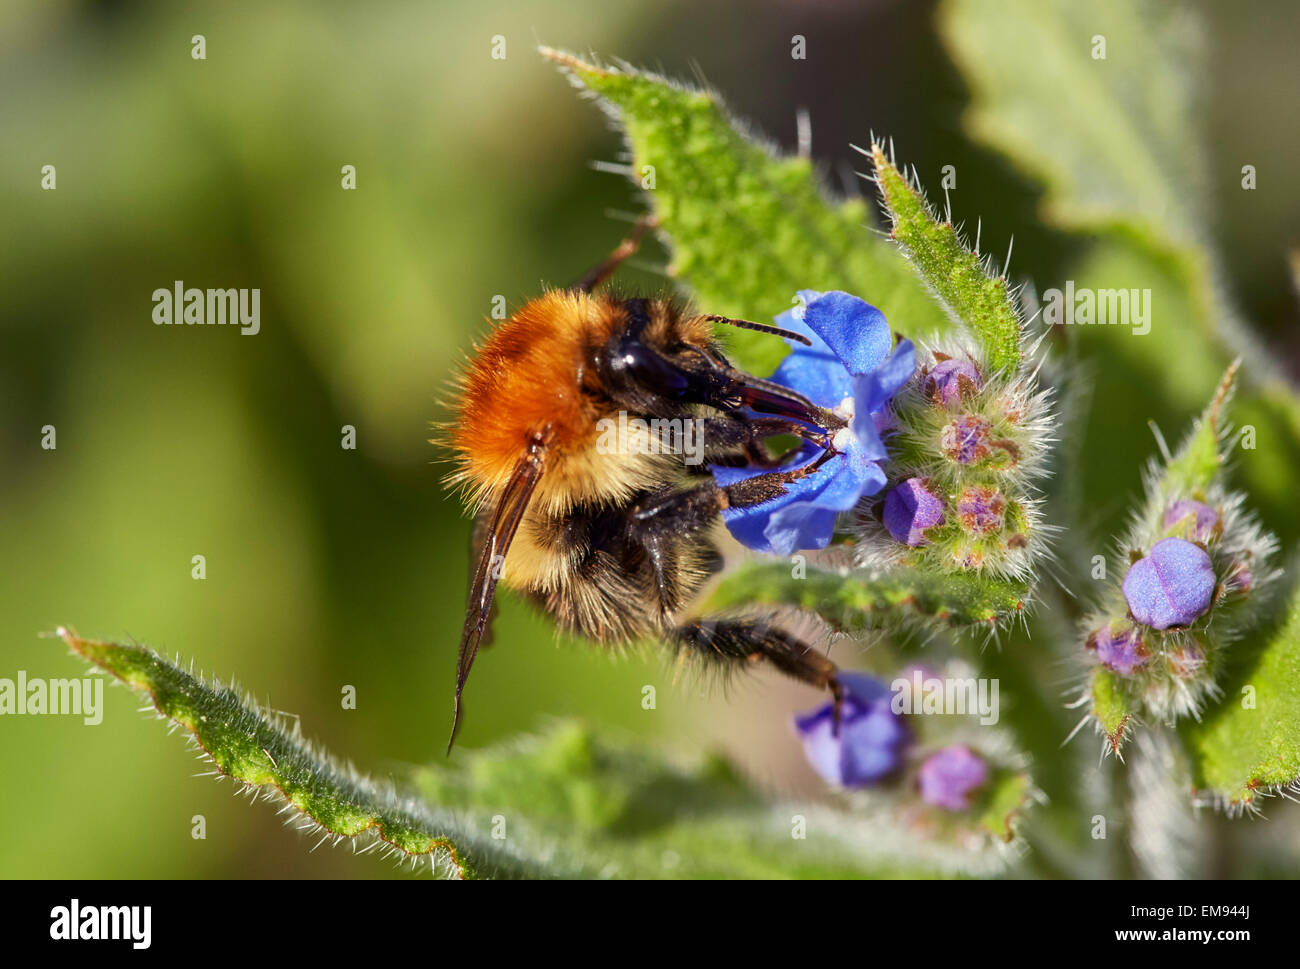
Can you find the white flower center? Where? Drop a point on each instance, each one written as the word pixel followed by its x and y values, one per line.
pixel 844 436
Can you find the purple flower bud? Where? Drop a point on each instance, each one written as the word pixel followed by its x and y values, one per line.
pixel 949 379
pixel 1186 661
pixel 980 510
pixel 949 777
pixel 871 737
pixel 1171 586
pixel 1242 579
pixel 1191 520
pixel 1121 650
pixel 966 439
pixel 911 508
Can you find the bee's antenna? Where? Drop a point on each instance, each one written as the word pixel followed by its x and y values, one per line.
pixel 761 328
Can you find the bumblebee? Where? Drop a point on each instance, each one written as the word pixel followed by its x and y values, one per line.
pixel 617 542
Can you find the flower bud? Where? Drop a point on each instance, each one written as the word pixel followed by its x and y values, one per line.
pixel 1190 519
pixel 911 508
pixel 1119 647
pixel 1186 661
pixel 966 439
pixel 949 777
pixel 980 510
pixel 1173 585
pixel 950 380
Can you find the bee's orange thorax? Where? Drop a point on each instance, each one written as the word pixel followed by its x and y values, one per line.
pixel 525 380
pixel 533 375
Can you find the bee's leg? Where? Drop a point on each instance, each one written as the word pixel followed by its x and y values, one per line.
pixel 751 641
pixel 662 560
pixel 624 249
pixel 728 436
pixel 691 509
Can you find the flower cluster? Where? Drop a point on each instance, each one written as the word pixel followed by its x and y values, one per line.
pixel 968 447
pixel 1189 582
pixel 1191 561
pixel 850 370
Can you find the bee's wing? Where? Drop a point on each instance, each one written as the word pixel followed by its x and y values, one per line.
pixel 497 536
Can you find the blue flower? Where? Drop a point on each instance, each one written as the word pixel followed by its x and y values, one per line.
pixel 871 740
pixel 848 369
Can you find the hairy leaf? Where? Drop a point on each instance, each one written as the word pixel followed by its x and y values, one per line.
pixel 255 748
pixel 749 228
pixel 631 813
pixel 1119 114
pixel 1249 744
pixel 1111 705
pixel 565 804
pixel 861 599
pixel 959 278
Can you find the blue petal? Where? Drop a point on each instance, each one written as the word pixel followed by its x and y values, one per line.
pixel 819 377
pixel 873 391
pixel 802 525
pixel 862 457
pixel 849 358
pixel 869 745
pixel 841 489
pixel 863 688
pixel 725 476
pixel 809 521
pixel 855 331
pixel 880 386
pixel 804 516
pixel 820 745
pixel 753 525
pixel 793 319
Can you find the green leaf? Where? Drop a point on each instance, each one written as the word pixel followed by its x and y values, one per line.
pixel 257 750
pixel 749 228
pixel 1200 458
pixel 959 278
pixel 1004 799
pixel 567 803
pixel 859 599
pixel 1249 745
pixel 631 813
pixel 1111 705
pixel 1114 142
pixel 1110 137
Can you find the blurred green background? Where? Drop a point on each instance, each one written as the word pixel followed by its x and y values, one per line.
pixel 328 567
